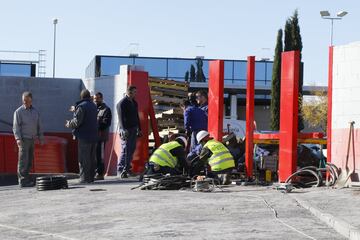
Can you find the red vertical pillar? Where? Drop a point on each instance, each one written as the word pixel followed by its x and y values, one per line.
pixel 139 79
pixel 250 93
pixel 289 114
pixel 329 116
pixel 216 99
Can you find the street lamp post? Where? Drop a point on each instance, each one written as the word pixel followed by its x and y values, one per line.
pixel 339 16
pixel 55 21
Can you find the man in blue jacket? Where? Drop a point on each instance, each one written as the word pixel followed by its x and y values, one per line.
pixel 85 129
pixel 195 120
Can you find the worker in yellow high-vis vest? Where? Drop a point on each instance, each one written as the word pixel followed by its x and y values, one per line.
pixel 216 155
pixel 169 158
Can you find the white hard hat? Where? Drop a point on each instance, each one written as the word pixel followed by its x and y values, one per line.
pixel 201 135
pixel 183 139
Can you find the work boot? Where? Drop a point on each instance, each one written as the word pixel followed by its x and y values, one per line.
pixel 123 175
pixel 27 184
pixel 99 177
pixel 131 174
pixel 225 179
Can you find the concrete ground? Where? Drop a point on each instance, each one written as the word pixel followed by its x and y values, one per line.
pixel 110 210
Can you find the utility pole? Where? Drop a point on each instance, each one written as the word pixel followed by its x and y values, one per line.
pixel 55 21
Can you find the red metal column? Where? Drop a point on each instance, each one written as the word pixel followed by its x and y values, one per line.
pixel 250 91
pixel 141 155
pixel 329 116
pixel 216 99
pixel 288 114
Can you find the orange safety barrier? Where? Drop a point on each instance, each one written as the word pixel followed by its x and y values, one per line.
pixel 2 155
pixel 10 153
pixel 49 158
pixel 72 164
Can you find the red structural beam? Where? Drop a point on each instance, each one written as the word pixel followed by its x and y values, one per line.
pixel 329 116
pixel 216 99
pixel 139 79
pixel 289 114
pixel 276 136
pixel 250 92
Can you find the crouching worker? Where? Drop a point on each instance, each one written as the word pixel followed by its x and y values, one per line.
pixel 169 158
pixel 216 155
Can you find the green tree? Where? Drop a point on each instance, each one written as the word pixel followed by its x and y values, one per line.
pixel 187 76
pixel 315 110
pixel 275 84
pixel 192 74
pixel 200 76
pixel 293 42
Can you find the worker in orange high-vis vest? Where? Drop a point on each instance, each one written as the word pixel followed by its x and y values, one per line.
pixel 169 158
pixel 215 155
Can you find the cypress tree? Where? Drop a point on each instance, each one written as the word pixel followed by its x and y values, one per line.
pixel 192 74
pixel 293 42
pixel 200 76
pixel 275 84
pixel 187 76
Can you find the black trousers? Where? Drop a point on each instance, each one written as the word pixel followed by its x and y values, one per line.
pixel 100 151
pixel 87 160
pixel 163 170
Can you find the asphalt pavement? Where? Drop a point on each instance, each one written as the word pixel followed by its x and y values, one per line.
pixel 111 210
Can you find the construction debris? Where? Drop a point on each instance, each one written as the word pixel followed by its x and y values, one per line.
pixel 166 96
pixel 161 182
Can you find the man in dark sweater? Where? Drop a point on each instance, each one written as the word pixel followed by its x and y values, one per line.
pixel 85 129
pixel 104 121
pixel 129 128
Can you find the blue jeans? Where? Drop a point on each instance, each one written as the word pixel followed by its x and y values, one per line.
pixel 193 142
pixel 127 150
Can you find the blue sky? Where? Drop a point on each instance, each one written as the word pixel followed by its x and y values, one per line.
pixel 231 29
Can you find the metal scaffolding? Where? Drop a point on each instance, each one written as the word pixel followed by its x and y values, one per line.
pixel 30 57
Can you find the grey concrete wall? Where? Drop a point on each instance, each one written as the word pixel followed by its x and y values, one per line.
pixel 51 96
pixel 262 118
pixel 261 114
pixel 113 89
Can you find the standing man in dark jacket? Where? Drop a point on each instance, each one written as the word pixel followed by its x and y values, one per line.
pixel 104 121
pixel 26 128
pixel 129 128
pixel 85 129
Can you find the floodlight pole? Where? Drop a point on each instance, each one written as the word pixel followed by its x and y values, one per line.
pixel 340 16
pixel 332 28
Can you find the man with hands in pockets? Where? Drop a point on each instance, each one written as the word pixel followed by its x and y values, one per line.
pixel 26 127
